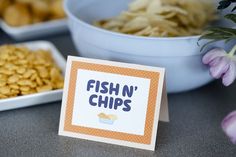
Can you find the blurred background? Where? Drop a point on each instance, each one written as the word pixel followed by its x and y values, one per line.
pixel 24 12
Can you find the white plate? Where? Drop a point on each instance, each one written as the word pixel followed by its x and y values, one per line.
pixel 35 30
pixel 38 98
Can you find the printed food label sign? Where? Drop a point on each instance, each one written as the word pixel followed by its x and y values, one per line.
pixel 113 102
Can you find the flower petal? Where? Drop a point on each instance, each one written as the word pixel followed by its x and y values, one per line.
pixel 215 61
pixel 229 126
pixel 219 69
pixel 212 54
pixel 230 75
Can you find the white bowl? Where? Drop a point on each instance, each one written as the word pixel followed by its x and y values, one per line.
pixel 180 56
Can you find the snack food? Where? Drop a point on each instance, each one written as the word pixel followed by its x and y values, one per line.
pixel 57 10
pixel 25 12
pixel 3 5
pixel 23 71
pixel 17 14
pixel 107 119
pixel 162 18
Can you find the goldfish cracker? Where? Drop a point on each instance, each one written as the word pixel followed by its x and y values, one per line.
pixel 17 15
pixel 26 12
pixel 40 9
pixel 36 19
pixel 44 88
pixel 25 1
pixel 3 5
pixel 57 9
pixel 27 72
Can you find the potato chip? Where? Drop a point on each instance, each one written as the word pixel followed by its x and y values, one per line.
pixel 113 24
pixel 139 5
pixel 144 32
pixel 168 9
pixel 154 6
pixel 136 24
pixel 162 18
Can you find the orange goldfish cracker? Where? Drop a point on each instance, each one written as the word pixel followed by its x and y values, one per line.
pixel 17 15
pixel 29 92
pixel 3 5
pixel 14 86
pixel 21 70
pixel 13 79
pixel 25 88
pixel 2 96
pixel 44 88
pixel 2 83
pixel 57 9
pixel 24 72
pixel 29 73
pixel 5 90
pixel 27 12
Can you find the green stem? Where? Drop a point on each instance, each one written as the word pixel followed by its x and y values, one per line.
pixel 232 52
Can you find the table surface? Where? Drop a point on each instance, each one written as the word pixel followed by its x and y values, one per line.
pixel 194 129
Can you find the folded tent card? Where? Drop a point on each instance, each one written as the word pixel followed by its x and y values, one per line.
pixel 113 102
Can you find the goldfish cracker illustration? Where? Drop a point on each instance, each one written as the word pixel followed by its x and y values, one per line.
pixel 107 119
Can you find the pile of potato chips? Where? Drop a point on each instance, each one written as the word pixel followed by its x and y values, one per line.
pixel 163 18
pixel 23 72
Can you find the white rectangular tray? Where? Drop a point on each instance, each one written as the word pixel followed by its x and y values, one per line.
pixel 35 30
pixel 38 98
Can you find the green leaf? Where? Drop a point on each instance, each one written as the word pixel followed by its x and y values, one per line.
pixel 222 29
pixel 214 34
pixel 224 4
pixel 219 31
pixel 208 43
pixel 231 17
pixel 234 9
pixel 211 36
pixel 228 40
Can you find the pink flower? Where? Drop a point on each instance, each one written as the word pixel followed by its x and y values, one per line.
pixel 229 126
pixel 222 65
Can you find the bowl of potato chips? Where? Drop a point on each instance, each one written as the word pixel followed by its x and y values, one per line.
pixel 160 33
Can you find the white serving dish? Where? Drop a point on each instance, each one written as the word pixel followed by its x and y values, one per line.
pixel 35 30
pixel 38 98
pixel 180 56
